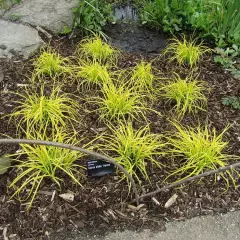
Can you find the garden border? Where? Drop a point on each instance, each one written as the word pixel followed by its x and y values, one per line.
pixel 75 148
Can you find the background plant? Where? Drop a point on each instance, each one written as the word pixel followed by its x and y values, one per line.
pixel 166 14
pixel 135 149
pixel 213 19
pixel 4 3
pixel 198 149
pixel 91 15
pixel 229 59
pixel 187 94
pixel 232 101
pixel 219 20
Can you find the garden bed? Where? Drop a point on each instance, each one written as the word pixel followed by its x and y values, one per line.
pixel 104 204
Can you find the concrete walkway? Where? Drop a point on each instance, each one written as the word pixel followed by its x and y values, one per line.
pixel 222 227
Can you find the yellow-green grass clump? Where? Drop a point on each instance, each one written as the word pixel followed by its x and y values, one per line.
pixel 95 49
pixel 142 77
pixel 92 74
pixel 45 162
pixel 37 110
pixel 198 149
pixel 51 64
pixel 185 52
pixel 134 149
pixel 120 102
pixel 187 94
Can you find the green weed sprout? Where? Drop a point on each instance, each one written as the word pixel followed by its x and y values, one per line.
pixel 92 74
pixel 120 102
pixel 51 64
pixel 38 110
pixel 45 162
pixel 142 77
pixel 186 52
pixel 133 149
pixel 97 50
pixel 200 150
pixel 187 94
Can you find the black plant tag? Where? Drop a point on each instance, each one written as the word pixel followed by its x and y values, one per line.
pixel 98 168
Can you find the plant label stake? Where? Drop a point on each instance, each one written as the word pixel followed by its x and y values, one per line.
pixel 99 168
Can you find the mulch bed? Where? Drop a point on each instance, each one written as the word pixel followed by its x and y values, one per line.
pixel 104 203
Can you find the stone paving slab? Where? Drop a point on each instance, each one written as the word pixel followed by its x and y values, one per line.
pixel 18 40
pixel 51 15
pixel 221 227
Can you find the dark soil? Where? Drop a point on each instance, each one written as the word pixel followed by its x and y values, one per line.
pixel 104 203
pixel 136 38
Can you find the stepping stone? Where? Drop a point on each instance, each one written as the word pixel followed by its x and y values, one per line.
pixel 18 40
pixel 52 15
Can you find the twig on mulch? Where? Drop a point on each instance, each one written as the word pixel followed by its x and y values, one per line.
pixel 205 174
pixel 74 148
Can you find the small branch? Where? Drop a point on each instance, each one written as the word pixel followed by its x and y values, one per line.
pixel 48 35
pixel 74 148
pixel 205 174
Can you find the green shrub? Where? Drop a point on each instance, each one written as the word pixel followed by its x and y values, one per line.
pixel 91 15
pixel 215 19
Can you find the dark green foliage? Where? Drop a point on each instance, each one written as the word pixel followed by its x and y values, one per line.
pixel 231 101
pixel 4 5
pixel 91 15
pixel 215 19
pixel 229 58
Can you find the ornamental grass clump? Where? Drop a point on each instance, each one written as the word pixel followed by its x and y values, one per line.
pixel 120 102
pixel 37 110
pixel 95 49
pixel 40 162
pixel 185 52
pixel 134 149
pixel 186 94
pixel 51 64
pixel 92 74
pixel 142 77
pixel 197 150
